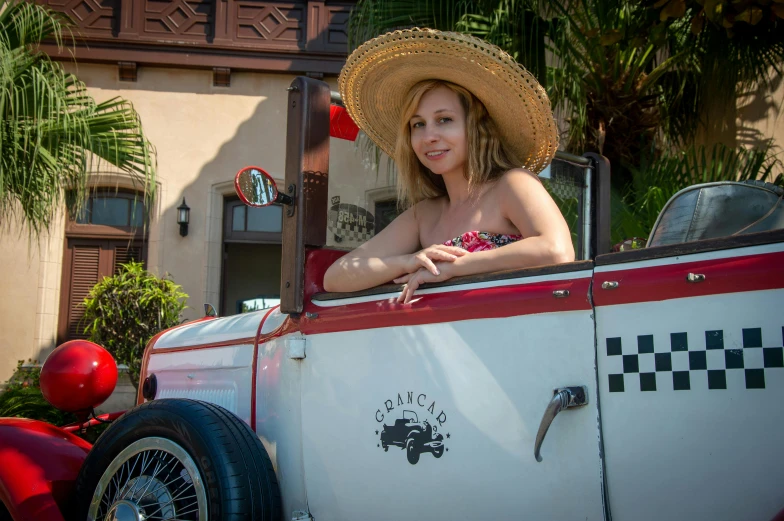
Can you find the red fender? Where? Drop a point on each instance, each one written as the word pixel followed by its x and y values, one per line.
pixel 40 463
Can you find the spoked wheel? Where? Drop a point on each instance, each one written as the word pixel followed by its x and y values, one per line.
pixel 152 479
pixel 177 460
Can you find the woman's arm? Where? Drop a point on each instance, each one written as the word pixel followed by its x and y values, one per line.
pixel 524 201
pixel 391 253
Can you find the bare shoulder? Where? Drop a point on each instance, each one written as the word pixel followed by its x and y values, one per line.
pixel 520 184
pixel 519 177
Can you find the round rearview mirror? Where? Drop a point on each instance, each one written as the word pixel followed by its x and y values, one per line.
pixel 256 187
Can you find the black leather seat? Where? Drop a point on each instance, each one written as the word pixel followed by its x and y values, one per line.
pixel 713 210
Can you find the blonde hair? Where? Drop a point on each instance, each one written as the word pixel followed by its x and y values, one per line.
pixel 488 158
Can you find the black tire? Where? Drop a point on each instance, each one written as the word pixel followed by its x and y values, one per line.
pixel 411 452
pixel 236 472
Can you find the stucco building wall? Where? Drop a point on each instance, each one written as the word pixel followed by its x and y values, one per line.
pixel 760 116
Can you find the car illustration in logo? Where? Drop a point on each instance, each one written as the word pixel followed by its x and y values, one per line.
pixel 414 436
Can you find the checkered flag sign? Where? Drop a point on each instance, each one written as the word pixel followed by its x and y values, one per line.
pixel 687 361
pixel 566 180
pixel 350 223
pixel 564 190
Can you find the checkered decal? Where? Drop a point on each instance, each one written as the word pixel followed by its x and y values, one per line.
pixel 350 223
pixel 351 233
pixel 687 360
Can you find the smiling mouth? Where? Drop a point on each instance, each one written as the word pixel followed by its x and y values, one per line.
pixel 436 153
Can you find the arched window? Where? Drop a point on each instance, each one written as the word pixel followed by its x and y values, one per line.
pixel 119 209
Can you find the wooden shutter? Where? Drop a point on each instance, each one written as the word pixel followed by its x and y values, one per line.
pixel 86 262
pixel 85 273
pixel 126 253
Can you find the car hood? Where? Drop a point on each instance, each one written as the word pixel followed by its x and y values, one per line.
pixel 217 331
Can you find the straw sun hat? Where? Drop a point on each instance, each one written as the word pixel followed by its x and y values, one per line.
pixel 378 75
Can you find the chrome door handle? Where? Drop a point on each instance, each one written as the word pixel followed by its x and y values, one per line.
pixel 563 398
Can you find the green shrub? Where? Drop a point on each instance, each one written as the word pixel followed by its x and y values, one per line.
pixel 125 311
pixel 22 397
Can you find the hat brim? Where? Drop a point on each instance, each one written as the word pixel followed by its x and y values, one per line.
pixel 379 74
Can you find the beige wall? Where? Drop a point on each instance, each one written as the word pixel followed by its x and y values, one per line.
pixel 755 120
pixel 30 273
pixel 760 116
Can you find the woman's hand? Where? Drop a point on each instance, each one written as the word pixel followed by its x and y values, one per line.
pixel 427 258
pixel 412 281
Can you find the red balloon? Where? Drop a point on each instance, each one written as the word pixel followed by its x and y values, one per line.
pixel 78 376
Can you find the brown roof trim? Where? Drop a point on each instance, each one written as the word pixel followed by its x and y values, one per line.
pixel 291 36
pixel 200 58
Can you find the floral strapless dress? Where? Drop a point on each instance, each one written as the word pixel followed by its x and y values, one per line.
pixel 481 241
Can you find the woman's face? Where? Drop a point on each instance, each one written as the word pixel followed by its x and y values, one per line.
pixel 438 132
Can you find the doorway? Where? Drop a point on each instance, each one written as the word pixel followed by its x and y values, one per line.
pixel 251 257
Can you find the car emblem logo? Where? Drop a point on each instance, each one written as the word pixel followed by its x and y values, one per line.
pixel 412 425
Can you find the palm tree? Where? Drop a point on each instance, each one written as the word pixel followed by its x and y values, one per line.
pixel 53 134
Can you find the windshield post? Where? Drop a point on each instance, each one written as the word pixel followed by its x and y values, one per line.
pixel 600 202
pixel 307 172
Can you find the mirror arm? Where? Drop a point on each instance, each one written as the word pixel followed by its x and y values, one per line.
pixel 288 199
pixel 284 199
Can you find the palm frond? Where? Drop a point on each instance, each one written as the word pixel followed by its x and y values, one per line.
pixel 53 135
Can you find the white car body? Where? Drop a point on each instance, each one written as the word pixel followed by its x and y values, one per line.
pixel 684 383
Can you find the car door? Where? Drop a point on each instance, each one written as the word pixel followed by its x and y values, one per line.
pixel 431 410
pixel 691 377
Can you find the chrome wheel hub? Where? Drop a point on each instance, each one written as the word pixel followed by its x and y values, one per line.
pixel 123 511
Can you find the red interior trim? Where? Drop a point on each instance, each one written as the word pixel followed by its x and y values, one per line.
pixel 495 302
pixel 317 261
pixel 730 275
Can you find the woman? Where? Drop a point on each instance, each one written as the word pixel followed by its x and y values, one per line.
pixel 470 129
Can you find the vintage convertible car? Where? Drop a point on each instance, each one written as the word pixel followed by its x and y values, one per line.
pixel 415 437
pixel 667 364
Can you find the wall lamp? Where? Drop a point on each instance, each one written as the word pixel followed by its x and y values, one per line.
pixel 183 217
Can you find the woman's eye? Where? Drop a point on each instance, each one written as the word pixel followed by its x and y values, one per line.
pixel 417 124
pixel 445 120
